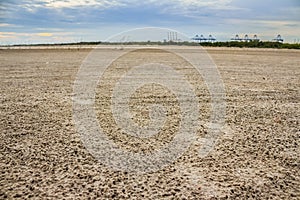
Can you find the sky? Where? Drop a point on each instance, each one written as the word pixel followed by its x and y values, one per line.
pixel 56 21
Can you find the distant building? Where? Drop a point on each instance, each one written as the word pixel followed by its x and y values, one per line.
pixel 173 37
pixel 278 39
pixel 201 38
pixel 245 39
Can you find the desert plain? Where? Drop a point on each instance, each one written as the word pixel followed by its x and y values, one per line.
pixel 256 157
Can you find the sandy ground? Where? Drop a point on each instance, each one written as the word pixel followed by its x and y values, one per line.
pixel 42 155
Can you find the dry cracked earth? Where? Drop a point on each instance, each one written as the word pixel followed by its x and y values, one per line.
pixel 257 156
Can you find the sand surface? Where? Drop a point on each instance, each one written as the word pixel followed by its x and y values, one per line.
pixel 257 156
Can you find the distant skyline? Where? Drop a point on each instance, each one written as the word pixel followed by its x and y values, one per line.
pixel 56 21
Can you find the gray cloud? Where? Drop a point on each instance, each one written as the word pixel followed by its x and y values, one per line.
pixel 99 18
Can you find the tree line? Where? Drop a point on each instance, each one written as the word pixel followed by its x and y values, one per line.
pixel 251 44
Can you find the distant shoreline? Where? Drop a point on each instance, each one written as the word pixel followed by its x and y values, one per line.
pixel 92 47
pixel 254 44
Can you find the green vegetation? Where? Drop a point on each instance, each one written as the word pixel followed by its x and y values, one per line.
pixel 252 44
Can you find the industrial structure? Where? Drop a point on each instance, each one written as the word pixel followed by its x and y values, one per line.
pixel 255 38
pixel 201 38
pixel 278 38
pixel 245 38
pixel 173 37
pixel 237 38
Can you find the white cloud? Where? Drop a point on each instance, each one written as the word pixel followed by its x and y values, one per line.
pixel 78 3
pixel 117 3
pixel 187 8
pixel 7 34
pixel 203 3
pixel 7 38
pixel 13 34
pixel 5 25
pixel 33 5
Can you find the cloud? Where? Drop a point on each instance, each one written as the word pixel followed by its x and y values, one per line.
pixel 7 34
pixel 7 38
pixel 183 4
pixel 44 34
pixel 79 3
pixel 14 35
pixel 4 24
pixel 194 4
pixel 33 5
pixel 275 23
pixel 97 19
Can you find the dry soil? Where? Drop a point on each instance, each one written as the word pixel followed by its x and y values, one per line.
pixel 257 156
